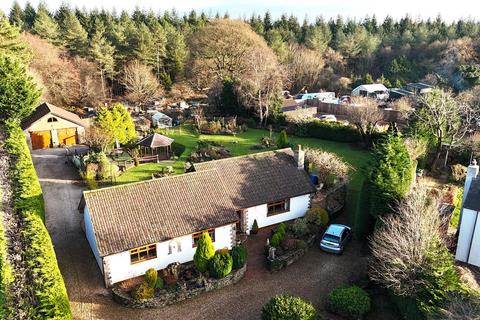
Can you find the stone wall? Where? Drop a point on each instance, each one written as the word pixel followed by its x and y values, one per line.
pixel 181 292
pixel 282 261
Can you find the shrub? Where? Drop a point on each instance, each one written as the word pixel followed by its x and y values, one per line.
pixel 151 277
pixel 317 216
pixel 239 256
pixel 282 229
pixel 282 141
pixel 328 131
pixel 205 251
pixel 285 307
pixel 221 264
pixel 255 226
pixel 300 244
pixel 300 228
pixel 351 302
pixel 142 291
pixel 276 239
pixel 459 172
pixel 160 283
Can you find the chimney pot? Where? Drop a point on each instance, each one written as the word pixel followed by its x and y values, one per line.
pixel 300 157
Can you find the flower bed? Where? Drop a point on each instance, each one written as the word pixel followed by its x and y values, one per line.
pixel 190 284
pixel 288 244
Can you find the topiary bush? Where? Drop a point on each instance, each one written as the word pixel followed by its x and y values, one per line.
pixel 282 141
pixel 143 291
pixel 317 216
pixel 285 307
pixel 151 277
pixel 255 227
pixel 282 229
pixel 239 256
pixel 160 283
pixel 350 302
pixel 276 239
pixel 221 264
pixel 205 251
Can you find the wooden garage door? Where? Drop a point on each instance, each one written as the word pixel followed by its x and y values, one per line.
pixel 40 139
pixel 67 136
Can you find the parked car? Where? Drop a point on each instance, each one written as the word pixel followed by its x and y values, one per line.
pixel 328 118
pixel 335 238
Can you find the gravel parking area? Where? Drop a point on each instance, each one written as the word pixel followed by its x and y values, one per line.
pixel 312 277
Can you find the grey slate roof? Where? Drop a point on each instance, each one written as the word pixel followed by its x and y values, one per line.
pixel 261 178
pixel 473 196
pixel 137 214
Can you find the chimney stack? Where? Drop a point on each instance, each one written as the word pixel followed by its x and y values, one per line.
pixel 300 157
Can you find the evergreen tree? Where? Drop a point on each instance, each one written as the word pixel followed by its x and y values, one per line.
pixel 318 38
pixel 29 16
pixel 73 34
pixel 176 52
pixel 101 51
pixel 45 26
pixel 116 123
pixel 390 177
pixel 204 252
pixel 18 91
pixel 11 42
pixel 368 79
pixel 16 16
pixel 267 22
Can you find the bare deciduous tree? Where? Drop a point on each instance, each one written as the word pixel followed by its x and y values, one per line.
pixel 365 115
pixel 327 163
pixel 97 139
pixel 416 147
pixel 400 246
pixel 461 308
pixel 141 85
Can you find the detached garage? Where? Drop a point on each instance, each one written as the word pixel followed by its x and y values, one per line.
pixel 50 126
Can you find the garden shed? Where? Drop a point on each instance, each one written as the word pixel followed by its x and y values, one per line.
pixel 161 120
pixel 155 147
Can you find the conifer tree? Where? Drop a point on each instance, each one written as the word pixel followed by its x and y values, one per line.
pixel 11 42
pixel 73 34
pixel 18 91
pixel 16 16
pixel 45 26
pixel 204 252
pixel 29 15
pixel 176 52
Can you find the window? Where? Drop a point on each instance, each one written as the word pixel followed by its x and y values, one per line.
pixel 197 235
pixel 52 119
pixel 278 207
pixel 143 253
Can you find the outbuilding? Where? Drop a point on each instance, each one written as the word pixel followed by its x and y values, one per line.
pixel 375 90
pixel 50 126
pixel 161 120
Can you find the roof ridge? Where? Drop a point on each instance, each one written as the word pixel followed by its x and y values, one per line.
pixel 147 181
pixel 245 156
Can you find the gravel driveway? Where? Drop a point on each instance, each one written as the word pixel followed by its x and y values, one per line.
pixel 312 277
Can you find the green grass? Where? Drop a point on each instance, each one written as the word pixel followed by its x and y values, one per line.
pixel 242 144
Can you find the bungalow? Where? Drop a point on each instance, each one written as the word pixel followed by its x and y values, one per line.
pixel 51 126
pixel 151 224
pixel 468 247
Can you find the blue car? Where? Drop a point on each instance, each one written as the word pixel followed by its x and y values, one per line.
pixel 335 238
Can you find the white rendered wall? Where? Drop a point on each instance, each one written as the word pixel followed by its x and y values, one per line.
pixel 467 227
pixel 91 237
pixel 298 207
pixel 474 257
pixel 120 268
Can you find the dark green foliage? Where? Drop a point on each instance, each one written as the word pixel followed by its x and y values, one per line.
pixel 317 216
pixel 300 227
pixel 205 251
pixel 160 283
pixel 407 307
pixel 229 105
pixel 255 226
pixel 282 229
pixel 143 291
pixel 221 264
pixel 350 302
pixel 282 141
pixel 285 307
pixel 391 174
pixel 47 282
pixel 165 80
pixel 151 277
pixel 328 131
pixel 239 256
pixel 276 239
pixel 18 91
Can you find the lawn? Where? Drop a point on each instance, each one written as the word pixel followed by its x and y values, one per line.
pixel 242 144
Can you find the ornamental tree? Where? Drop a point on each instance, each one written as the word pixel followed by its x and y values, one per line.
pixel 205 251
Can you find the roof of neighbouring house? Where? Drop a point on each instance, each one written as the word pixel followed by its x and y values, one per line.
pixel 47 108
pixel 419 85
pixel 155 140
pixel 137 214
pixel 371 87
pixel 260 178
pixel 472 201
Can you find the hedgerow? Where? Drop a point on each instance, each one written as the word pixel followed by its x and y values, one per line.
pixel 47 282
pixel 6 276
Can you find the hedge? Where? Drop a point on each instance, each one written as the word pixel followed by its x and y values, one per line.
pixel 6 276
pixel 350 302
pixel 328 131
pixel 47 283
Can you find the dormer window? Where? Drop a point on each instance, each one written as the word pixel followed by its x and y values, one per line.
pixel 52 119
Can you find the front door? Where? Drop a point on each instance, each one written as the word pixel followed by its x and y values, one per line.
pixel 241 221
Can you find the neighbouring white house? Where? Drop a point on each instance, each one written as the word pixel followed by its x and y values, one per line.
pixel 375 90
pixel 468 246
pixel 151 224
pixel 51 126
